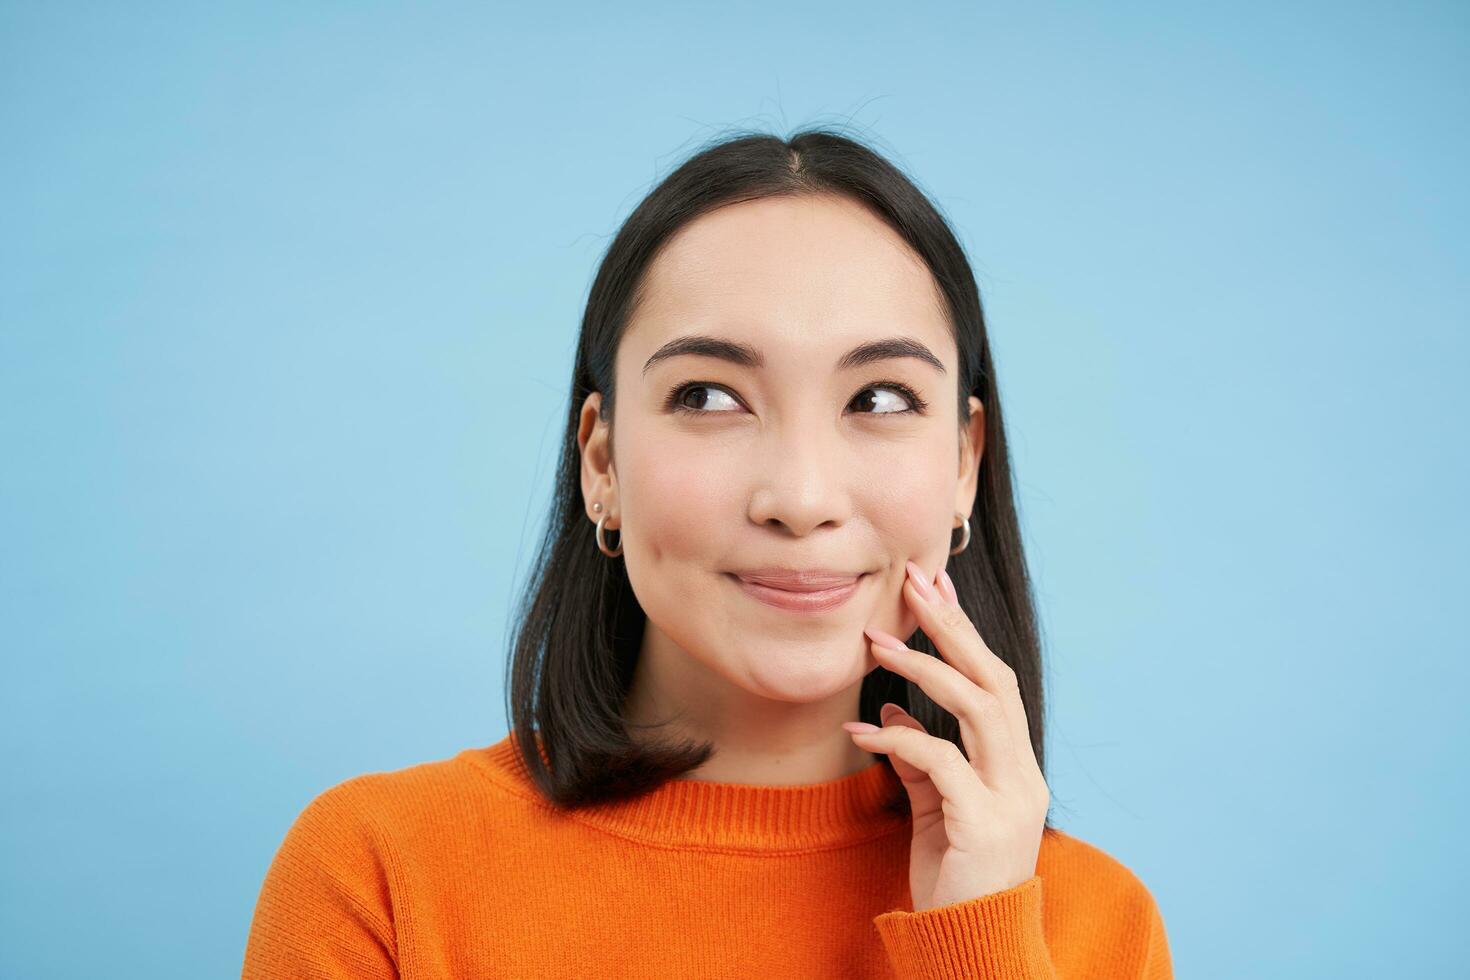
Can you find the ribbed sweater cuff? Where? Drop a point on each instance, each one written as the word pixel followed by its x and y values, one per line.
pixel 997 936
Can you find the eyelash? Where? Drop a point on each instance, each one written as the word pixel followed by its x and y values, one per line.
pixel 676 396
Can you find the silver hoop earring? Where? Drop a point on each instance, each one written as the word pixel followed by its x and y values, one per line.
pixel 602 541
pixel 964 539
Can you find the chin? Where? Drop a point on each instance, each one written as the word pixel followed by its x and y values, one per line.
pixel 802 671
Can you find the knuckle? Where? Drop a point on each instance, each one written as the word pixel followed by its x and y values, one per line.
pixel 953 618
pixel 1006 675
pixel 984 711
pixel 954 756
pixel 987 706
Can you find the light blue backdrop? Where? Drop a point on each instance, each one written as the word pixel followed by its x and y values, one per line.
pixel 288 295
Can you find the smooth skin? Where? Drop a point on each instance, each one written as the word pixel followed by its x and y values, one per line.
pixel 803 461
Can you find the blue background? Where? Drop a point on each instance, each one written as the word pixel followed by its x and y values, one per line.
pixel 288 299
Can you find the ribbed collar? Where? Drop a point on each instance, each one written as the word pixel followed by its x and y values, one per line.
pixel 728 816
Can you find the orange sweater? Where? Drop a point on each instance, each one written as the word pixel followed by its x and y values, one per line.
pixel 457 869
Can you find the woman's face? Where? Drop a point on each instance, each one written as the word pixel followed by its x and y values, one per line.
pixel 796 461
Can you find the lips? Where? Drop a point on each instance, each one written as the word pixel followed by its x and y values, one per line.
pixel 799 580
pixel 801 591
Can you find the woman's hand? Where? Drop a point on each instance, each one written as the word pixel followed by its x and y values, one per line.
pixel 977 822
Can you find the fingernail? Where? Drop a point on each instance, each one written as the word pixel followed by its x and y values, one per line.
pixel 888 706
pixel 883 639
pixel 946 586
pixel 859 726
pixel 921 582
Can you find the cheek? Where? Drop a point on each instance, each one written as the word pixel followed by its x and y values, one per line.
pixel 676 505
pixel 910 504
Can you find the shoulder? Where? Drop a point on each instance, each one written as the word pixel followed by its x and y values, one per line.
pixel 385 810
pixel 1099 911
pixel 335 885
pixel 352 836
pixel 1078 876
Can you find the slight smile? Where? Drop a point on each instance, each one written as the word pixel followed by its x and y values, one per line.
pixel 800 599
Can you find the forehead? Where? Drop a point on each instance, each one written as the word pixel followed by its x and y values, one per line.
pixel 789 274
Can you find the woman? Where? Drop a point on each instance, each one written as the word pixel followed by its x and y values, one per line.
pixel 784 453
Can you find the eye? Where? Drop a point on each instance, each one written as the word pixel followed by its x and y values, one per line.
pixel 679 399
pixel 915 403
pixel 679 403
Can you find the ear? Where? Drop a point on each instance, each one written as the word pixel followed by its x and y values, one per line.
pixel 599 482
pixel 972 448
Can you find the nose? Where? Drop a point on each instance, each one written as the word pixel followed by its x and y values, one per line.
pixel 801 478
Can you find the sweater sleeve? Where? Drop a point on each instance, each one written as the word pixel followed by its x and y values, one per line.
pixel 997 936
pixel 324 910
pixel 1000 936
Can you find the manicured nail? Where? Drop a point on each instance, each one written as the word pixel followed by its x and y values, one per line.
pixel 946 586
pixel 859 726
pixel 883 639
pixel 888 708
pixel 922 583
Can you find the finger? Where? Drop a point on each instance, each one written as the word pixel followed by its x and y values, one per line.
pixel 891 710
pixel 892 714
pixel 958 641
pixel 982 721
pixel 951 778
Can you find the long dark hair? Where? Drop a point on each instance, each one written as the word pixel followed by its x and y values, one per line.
pixel 579 625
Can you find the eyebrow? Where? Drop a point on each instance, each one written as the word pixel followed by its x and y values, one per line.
pixel 747 356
